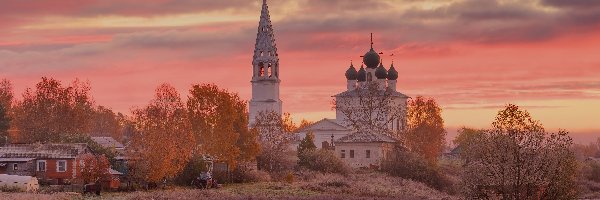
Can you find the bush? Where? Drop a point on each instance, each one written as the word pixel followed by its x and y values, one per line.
pixel 5 188
pixel 323 161
pixel 192 169
pixel 595 172
pixel 411 166
pixel 244 175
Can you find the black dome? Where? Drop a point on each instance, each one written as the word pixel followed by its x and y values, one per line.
pixel 392 73
pixel 362 74
pixel 380 72
pixel 371 59
pixel 351 73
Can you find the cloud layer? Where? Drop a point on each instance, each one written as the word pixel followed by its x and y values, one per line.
pixel 468 54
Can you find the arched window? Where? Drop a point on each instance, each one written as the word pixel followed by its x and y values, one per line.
pixel 369 78
pixel 261 69
pixel 270 70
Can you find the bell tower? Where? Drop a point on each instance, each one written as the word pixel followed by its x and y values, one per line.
pixel 265 74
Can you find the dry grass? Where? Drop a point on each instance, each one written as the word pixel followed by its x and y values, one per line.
pixel 322 186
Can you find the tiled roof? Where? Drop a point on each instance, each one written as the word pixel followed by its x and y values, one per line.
pixel 43 150
pixel 357 137
pixel 108 142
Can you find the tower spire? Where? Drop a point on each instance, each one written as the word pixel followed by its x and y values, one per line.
pixel 265 64
pixel 371 39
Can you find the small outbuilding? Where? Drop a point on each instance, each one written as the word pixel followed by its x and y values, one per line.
pixel 24 183
pixel 365 149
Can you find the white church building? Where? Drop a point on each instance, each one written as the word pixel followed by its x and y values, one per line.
pixel 362 148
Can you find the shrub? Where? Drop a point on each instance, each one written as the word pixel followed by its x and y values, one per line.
pixel 244 175
pixel 595 172
pixel 411 166
pixel 5 188
pixel 323 161
pixel 192 169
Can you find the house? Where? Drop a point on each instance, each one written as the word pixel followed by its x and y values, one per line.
pixel 50 163
pixel 323 130
pixel 109 143
pixel 365 149
pixel 118 148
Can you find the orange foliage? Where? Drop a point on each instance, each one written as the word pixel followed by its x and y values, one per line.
pixel 94 168
pixel 164 141
pixel 425 133
pixel 220 124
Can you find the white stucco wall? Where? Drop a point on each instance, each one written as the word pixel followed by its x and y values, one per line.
pixel 379 151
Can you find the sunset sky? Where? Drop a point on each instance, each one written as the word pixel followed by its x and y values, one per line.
pixel 472 56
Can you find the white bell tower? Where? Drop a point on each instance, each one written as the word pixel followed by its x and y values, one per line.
pixel 265 65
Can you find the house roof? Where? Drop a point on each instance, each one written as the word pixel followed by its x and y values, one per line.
pixel 37 150
pixel 108 142
pixel 16 159
pixel 363 137
pixel 324 125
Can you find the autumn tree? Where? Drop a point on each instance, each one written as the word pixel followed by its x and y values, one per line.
pixel 6 100
pixel 307 144
pixel 466 136
pixel 425 133
pixel 6 94
pixel 220 124
pixel 53 111
pixel 4 125
pixel 94 168
pixel 163 142
pixel 274 137
pixel 369 108
pixel 303 124
pixel 517 159
pixel 104 122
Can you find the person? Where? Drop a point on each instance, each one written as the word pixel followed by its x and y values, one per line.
pixel 206 179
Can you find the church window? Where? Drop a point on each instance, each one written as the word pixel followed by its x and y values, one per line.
pixel 343 155
pixel 261 53
pixel 351 153
pixel 262 69
pixel 369 78
pixel 270 70
pixel 368 153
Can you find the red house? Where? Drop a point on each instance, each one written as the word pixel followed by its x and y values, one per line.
pixel 50 163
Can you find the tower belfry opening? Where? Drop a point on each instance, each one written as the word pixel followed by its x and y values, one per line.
pixel 265 63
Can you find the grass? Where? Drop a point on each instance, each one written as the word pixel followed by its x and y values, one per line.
pixel 323 186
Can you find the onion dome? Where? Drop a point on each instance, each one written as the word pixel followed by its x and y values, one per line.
pixel 380 72
pixel 362 74
pixel 371 59
pixel 351 73
pixel 392 73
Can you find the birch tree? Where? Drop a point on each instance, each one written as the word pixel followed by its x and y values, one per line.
pixel 518 159
pixel 274 137
pixel 369 108
pixel 53 111
pixel 425 133
pixel 163 142
pixel 220 124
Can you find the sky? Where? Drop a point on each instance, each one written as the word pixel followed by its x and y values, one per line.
pixel 472 56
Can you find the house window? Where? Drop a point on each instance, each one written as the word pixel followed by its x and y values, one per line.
pixel 41 165
pixel 343 154
pixel 368 153
pixel 15 167
pixel 61 166
pixel 351 153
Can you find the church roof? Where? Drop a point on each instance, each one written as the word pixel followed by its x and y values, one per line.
pixel 361 137
pixel 355 93
pixel 324 125
pixel 265 38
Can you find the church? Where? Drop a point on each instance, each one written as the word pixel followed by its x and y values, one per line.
pixel 359 147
